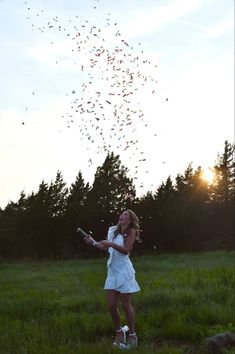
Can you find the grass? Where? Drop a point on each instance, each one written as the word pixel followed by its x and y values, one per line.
pixel 59 306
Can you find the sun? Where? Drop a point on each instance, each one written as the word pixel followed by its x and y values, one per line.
pixel 208 175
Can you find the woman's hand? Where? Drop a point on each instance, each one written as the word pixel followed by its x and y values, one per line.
pixel 104 245
pixel 89 240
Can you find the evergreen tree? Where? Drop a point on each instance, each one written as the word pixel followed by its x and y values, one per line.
pixel 77 214
pixel 145 208
pixel 221 222
pixel 191 209
pixel 184 183
pixel 58 196
pixel 165 193
pixel 200 187
pixel 40 222
pixel 224 185
pixel 165 215
pixel 112 191
pixel 16 226
pixel 77 197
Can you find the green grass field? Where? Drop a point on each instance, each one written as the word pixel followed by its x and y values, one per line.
pixel 59 306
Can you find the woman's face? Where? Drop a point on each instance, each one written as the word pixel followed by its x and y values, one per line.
pixel 124 219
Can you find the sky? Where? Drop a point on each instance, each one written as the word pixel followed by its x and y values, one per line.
pixel 181 109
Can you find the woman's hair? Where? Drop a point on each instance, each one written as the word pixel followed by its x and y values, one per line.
pixel 134 224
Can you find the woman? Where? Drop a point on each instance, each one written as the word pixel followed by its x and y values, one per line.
pixel 120 283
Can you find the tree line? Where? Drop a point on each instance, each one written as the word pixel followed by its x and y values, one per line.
pixel 188 214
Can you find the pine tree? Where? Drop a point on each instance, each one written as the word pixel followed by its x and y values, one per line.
pixel 191 209
pixel 58 196
pixel 112 190
pixel 45 218
pixel 165 193
pixel 75 211
pixel 222 194
pixel 224 185
pixel 184 183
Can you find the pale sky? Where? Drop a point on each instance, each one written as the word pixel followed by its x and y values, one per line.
pixel 188 117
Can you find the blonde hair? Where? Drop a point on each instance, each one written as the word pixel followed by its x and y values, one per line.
pixel 134 224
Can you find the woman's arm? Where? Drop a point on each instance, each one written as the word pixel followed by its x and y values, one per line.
pixel 128 244
pixel 91 241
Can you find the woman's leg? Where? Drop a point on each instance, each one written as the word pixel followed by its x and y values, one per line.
pixel 112 302
pixel 129 312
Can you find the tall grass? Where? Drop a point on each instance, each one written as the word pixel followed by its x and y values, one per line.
pixel 59 306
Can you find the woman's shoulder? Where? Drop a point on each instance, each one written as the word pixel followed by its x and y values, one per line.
pixel 131 232
pixel 112 228
pixel 111 231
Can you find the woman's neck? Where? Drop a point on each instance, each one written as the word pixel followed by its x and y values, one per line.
pixel 124 228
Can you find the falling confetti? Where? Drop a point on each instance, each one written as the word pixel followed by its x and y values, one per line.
pixel 106 106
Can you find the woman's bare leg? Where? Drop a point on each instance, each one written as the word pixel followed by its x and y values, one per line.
pixel 129 312
pixel 112 302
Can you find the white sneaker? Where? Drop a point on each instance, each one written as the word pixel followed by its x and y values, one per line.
pixel 132 341
pixel 120 339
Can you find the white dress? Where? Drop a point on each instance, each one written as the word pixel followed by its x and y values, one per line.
pixel 121 273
